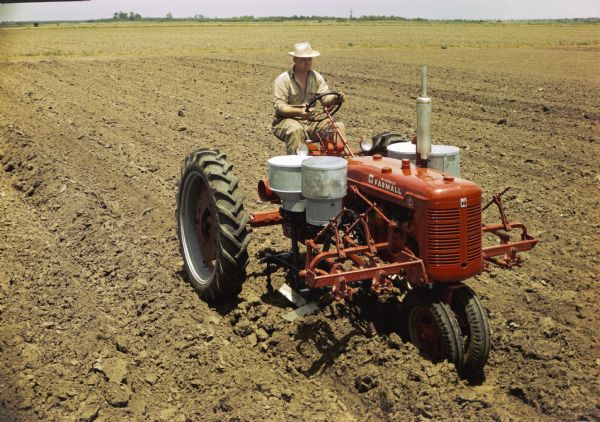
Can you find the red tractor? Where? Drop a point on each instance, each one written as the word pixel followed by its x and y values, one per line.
pixel 367 222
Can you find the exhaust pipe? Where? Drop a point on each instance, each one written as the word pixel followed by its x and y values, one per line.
pixel 423 122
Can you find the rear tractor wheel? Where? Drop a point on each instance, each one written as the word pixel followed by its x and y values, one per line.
pixel 211 225
pixel 433 329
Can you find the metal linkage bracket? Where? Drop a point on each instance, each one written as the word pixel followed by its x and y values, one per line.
pixel 506 248
pixel 280 260
pixel 363 259
pixel 289 260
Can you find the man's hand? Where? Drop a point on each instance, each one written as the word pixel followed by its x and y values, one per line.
pixel 302 113
pixel 331 100
pixel 307 115
pixel 296 111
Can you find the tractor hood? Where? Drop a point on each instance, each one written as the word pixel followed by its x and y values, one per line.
pixel 401 182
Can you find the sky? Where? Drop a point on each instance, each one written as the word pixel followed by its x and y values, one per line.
pixel 429 9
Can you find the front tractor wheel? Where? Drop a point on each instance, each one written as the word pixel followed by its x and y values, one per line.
pixel 211 225
pixel 433 329
pixel 475 329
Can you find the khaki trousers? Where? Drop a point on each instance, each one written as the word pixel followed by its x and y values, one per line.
pixel 293 132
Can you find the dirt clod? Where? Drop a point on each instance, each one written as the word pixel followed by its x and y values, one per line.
pixel 117 395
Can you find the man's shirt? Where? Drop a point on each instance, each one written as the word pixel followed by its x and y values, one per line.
pixel 288 91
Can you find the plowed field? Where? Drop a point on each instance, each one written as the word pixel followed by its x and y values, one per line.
pixel 97 321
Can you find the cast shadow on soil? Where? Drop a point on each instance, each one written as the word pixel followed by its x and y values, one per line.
pixel 320 334
pixel 222 308
pixel 389 317
pixel 14 407
pixel 6 412
pixel 367 316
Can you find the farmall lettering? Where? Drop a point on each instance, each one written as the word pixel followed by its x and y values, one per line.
pixel 384 184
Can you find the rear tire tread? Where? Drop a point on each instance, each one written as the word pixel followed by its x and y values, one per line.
pixel 233 238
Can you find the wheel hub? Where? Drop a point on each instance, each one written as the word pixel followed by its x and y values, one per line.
pixel 206 228
pixel 427 333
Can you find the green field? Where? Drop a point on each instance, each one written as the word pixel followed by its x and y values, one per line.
pixel 127 39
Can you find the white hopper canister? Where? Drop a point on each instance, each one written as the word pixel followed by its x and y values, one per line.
pixel 443 158
pixel 285 179
pixel 324 187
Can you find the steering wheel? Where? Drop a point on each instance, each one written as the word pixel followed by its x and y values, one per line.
pixel 325 111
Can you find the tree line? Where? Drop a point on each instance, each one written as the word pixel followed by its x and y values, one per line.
pixel 132 16
pixel 124 16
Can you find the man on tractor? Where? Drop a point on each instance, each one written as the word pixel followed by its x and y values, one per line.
pixel 294 90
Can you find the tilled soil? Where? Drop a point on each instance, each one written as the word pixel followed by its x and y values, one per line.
pixel 98 322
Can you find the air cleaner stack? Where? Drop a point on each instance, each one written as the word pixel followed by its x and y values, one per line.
pixel 423 122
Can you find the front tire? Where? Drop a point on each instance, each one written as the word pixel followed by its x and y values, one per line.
pixel 433 328
pixel 211 225
pixel 475 328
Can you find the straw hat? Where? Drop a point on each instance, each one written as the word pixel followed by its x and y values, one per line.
pixel 303 49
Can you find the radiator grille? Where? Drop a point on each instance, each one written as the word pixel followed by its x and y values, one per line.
pixel 448 230
pixel 474 233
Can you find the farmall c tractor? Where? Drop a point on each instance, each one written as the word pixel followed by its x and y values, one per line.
pixel 358 222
